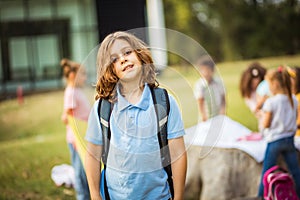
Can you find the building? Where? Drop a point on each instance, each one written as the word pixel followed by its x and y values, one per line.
pixel 36 34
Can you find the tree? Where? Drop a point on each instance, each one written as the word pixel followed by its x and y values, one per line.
pixel 238 29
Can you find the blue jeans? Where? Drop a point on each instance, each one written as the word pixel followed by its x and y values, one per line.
pixel 81 184
pixel 286 148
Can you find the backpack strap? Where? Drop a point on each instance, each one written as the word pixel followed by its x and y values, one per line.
pixel 104 113
pixel 162 108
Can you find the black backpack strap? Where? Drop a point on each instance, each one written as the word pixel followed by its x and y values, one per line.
pixel 104 112
pixel 162 108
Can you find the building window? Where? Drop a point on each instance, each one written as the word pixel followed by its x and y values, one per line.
pixel 35 35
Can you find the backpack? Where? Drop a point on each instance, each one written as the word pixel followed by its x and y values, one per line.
pixel 278 184
pixel 162 107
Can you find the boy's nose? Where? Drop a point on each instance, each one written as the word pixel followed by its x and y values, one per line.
pixel 123 59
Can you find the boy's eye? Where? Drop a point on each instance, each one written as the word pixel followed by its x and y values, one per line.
pixel 127 52
pixel 113 60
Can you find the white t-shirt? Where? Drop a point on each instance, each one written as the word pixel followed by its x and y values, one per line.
pixel 212 93
pixel 283 122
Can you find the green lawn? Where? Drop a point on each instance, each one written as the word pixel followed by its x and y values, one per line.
pixel 32 141
pixel 32 137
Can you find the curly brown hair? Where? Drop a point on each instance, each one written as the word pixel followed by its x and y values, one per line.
pixel 254 70
pixel 107 78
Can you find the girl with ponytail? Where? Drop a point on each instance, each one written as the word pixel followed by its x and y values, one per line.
pixel 77 105
pixel 279 123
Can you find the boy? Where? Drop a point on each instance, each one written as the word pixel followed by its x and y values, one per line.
pixel 209 92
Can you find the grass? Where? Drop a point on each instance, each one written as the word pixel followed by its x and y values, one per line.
pixel 32 137
pixel 32 141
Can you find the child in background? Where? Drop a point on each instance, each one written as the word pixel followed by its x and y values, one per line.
pixel 249 82
pixel 209 91
pixel 133 169
pixel 280 114
pixel 254 89
pixel 77 105
pixel 295 79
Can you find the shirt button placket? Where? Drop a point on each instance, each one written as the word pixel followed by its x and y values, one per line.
pixel 130 121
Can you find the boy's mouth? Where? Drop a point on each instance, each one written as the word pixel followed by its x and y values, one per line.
pixel 127 67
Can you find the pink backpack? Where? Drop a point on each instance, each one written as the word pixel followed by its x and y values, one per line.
pixel 278 185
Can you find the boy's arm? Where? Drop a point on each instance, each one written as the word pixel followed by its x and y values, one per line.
pixel 179 166
pixel 201 106
pixel 92 168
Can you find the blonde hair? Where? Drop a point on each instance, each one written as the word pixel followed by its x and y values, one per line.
pixel 107 78
pixel 68 66
pixel 282 76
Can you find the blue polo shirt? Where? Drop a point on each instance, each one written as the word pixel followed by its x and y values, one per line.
pixel 134 169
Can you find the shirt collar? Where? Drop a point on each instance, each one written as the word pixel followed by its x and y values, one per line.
pixel 142 104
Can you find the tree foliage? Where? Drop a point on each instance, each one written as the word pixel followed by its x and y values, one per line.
pixel 238 29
